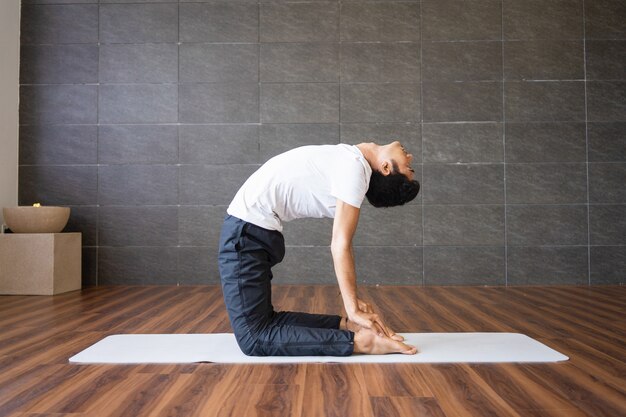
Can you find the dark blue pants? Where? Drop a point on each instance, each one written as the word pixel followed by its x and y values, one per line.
pixel 246 255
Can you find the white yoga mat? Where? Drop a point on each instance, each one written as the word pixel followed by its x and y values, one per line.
pixel 222 348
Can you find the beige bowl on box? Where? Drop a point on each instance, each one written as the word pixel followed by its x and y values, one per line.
pixel 28 219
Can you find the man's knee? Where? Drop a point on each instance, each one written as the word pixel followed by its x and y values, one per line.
pixel 248 346
pixel 246 333
pixel 247 349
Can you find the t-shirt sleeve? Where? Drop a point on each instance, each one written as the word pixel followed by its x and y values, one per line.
pixel 349 184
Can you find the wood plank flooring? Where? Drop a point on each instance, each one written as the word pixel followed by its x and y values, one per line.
pixel 38 334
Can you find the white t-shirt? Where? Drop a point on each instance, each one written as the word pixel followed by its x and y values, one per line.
pixel 303 182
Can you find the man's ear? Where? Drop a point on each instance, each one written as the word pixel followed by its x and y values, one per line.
pixel 386 167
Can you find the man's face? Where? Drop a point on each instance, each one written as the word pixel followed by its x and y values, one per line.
pixel 397 153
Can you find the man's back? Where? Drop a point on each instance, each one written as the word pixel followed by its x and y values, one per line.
pixel 303 182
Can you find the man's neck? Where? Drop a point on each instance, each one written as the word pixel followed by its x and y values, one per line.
pixel 369 153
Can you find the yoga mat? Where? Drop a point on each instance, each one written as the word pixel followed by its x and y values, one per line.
pixel 222 348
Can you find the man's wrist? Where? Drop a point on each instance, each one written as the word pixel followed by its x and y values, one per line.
pixel 351 310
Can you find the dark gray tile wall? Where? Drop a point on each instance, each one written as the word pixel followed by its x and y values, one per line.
pixel 146 116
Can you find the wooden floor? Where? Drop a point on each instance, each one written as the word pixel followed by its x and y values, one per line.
pixel 39 334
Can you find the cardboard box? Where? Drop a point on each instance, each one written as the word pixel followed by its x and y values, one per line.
pixel 40 263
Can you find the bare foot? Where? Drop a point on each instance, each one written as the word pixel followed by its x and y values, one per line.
pixel 368 342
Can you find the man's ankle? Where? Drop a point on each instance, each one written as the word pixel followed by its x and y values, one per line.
pixel 343 324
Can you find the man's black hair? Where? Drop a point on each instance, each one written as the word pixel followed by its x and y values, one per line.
pixel 390 190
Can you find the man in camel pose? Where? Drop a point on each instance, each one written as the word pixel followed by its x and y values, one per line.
pixel 310 181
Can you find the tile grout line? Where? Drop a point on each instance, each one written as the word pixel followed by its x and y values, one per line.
pixel 97 266
pixel 178 43
pixel 292 42
pixel 546 80
pixel 313 123
pixel 258 75
pixel 586 147
pixel 421 110
pixel 340 57
pixel 431 164
pixel 506 246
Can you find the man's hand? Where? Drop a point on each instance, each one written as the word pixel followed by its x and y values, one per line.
pixel 364 306
pixel 366 317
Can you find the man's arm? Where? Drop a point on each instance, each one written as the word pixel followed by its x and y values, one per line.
pixel 344 227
